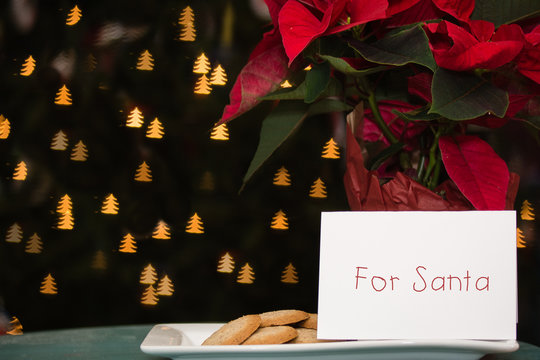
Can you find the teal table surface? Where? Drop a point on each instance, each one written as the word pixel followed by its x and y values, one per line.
pixel 114 342
pixel 123 342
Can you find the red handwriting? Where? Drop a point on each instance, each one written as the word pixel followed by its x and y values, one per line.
pixel 424 281
pixel 380 280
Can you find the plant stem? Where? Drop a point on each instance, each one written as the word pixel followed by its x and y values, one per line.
pixel 421 167
pixel 432 163
pixel 379 120
pixel 436 172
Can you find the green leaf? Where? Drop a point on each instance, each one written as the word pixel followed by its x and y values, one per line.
pixel 317 80
pixel 327 106
pixel 276 128
pixel 505 11
pixel 461 96
pixel 384 155
pixel 533 121
pixel 407 46
pixel 297 93
pixel 342 66
pixel 417 115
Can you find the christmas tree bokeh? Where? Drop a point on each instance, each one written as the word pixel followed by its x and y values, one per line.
pixel 112 163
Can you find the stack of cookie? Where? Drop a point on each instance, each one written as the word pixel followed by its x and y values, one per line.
pixel 273 327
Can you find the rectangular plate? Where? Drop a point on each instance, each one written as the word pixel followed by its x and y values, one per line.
pixel 181 341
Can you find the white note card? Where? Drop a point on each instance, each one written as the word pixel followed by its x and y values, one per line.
pixel 418 275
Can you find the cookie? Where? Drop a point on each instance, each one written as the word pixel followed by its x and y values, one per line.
pixel 309 323
pixel 234 332
pixel 282 317
pixel 306 336
pixel 271 335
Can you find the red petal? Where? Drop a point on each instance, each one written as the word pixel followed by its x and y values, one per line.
pixel 511 193
pixel 460 9
pixel 397 6
pixel 274 7
pixel 482 30
pixel 405 131
pixel 363 11
pixel 421 11
pixel 420 85
pixel 265 70
pixel 455 48
pixel 479 173
pixel 298 27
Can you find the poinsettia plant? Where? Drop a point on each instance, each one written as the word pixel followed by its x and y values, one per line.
pixel 415 80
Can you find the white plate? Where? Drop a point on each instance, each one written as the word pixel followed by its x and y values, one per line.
pixel 181 341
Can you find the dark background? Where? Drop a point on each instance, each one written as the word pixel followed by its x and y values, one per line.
pixel 115 33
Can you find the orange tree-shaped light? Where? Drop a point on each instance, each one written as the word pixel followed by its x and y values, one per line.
pixel 280 221
pixel 201 65
pixel 282 177
pixel 148 275
pixel 527 211
pixel 155 129
pixel 220 132
pixel 48 285
pixel 20 172
pixel 246 275
pixel 14 233
pixel 34 245
pixel 218 76
pixel 318 189
pixel 520 238
pixel 79 152
pixel 149 296
pixel 162 231
pixel 5 127
pixel 28 66
pixel 195 225
pixel 145 61
pixel 59 141
pixel 143 173
pixel 226 264
pixel 165 286
pixel 202 87
pixel 63 96
pixel 74 16
pixel 110 205
pixel 135 118
pixel 289 275
pixel 330 150
pixel 128 245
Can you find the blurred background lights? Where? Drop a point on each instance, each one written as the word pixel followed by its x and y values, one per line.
pixel 220 132
pixel 145 61
pixel 74 16
pixel 143 173
pixel 135 118
pixel 195 225
pixel 28 66
pixel 5 127
pixel 330 150
pixel 226 264
pixel 48 285
pixel 63 96
pixel 162 231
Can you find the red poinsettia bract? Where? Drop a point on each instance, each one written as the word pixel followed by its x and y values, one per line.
pixel 479 180
pixel 300 22
pixel 455 48
pixel 265 70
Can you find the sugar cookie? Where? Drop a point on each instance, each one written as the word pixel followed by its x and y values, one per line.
pixel 235 331
pixel 271 335
pixel 282 317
